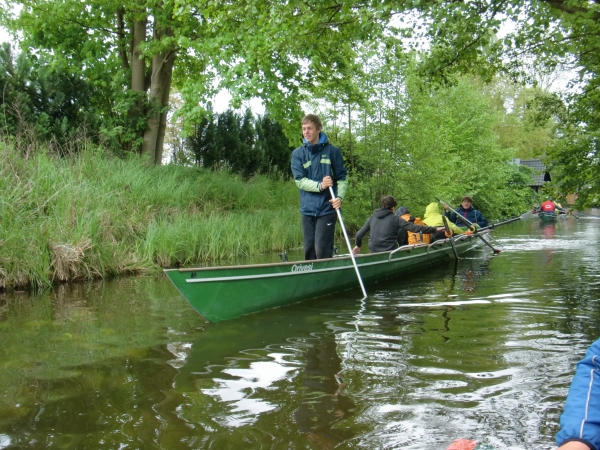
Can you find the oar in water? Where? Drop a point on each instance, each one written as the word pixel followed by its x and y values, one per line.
pixel 469 225
pixel 577 216
pixel 449 235
pixel 526 215
pixel 339 214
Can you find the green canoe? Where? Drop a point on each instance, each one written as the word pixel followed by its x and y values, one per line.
pixel 548 217
pixel 222 293
pixel 553 217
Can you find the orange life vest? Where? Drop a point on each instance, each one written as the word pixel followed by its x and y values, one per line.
pixel 416 238
pixel 548 206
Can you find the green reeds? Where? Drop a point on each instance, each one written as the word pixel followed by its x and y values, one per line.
pixel 93 215
pixel 185 240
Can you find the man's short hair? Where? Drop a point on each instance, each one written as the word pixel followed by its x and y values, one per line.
pixel 388 202
pixel 314 119
pixel 467 198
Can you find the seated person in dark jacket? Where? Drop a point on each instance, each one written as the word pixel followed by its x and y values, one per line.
pixel 384 228
pixel 403 234
pixel 467 211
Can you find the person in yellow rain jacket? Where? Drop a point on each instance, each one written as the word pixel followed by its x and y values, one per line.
pixel 433 218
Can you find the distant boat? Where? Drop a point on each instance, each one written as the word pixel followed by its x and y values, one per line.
pixel 553 216
pixel 222 293
pixel 547 217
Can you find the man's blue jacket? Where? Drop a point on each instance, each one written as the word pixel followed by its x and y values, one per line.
pixel 310 164
pixel 471 214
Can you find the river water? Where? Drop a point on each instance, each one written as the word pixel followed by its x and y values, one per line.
pixel 482 348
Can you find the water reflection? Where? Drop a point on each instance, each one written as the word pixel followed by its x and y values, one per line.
pixel 244 410
pixel 480 348
pixel 548 230
pixel 323 402
pixel 242 376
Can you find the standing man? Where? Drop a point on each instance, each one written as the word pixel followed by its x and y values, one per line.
pixel 317 165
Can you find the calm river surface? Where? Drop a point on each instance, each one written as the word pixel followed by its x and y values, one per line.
pixel 484 349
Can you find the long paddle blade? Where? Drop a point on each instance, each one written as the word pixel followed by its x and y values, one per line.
pixel 449 235
pixel 526 216
pixel 339 214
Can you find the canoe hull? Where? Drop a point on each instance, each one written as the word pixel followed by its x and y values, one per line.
pixel 222 293
pixel 548 217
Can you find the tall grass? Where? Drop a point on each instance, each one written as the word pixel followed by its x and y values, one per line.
pixel 94 215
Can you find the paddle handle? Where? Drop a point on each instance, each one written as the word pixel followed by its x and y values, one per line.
pixel 470 224
pixel 449 235
pixel 339 214
pixel 464 219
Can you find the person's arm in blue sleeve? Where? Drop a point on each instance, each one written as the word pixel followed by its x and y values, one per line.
pixel 580 421
pixel 300 176
pixel 449 214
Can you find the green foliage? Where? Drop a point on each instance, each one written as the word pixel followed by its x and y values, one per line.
pixel 575 161
pixel 423 143
pixel 41 98
pixel 277 51
pixel 244 145
pixel 527 124
pixel 93 215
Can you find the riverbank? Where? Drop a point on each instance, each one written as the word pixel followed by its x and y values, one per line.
pixel 94 215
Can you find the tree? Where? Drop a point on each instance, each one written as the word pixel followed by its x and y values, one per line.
pixel 253 155
pixel 419 141
pixel 546 34
pixel 275 147
pixel 243 145
pixel 53 103
pixel 204 143
pixel 134 51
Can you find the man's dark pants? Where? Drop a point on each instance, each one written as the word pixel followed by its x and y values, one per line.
pixel 319 233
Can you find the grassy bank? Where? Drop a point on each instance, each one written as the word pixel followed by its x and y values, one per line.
pixel 93 215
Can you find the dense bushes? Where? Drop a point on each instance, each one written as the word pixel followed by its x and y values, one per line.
pixel 242 144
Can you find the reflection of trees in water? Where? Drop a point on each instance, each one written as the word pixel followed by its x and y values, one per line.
pixel 322 403
pixel 90 363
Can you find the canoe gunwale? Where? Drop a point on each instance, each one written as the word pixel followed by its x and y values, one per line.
pixel 314 271
pixel 404 248
pixel 226 292
pixel 367 260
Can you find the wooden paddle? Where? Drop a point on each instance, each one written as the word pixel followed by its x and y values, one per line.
pixel 526 215
pixel 339 214
pixel 449 235
pixel 504 222
pixel 470 225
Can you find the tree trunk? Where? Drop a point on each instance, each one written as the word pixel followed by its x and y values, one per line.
pixel 137 59
pixel 160 85
pixel 138 72
pixel 350 136
pixel 160 141
pixel 122 44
